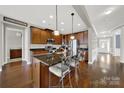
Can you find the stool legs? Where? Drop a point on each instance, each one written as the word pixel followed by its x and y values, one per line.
pixel 61 81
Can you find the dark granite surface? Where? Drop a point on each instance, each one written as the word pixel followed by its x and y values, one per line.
pixel 37 49
pixel 49 59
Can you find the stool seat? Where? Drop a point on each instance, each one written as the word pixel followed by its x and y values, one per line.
pixel 72 64
pixel 59 69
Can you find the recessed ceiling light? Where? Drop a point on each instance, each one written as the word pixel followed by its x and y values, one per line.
pixel 51 17
pixel 44 21
pixel 62 23
pixel 79 24
pixel 108 11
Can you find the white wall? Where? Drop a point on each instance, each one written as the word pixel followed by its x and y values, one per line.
pixel 1 45
pixel 25 43
pixel 92 46
pixel 12 41
pixel 104 45
pixel 122 45
pixel 116 51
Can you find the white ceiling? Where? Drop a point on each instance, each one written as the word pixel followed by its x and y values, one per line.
pixel 105 23
pixel 35 14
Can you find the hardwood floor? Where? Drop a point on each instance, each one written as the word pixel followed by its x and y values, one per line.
pixel 16 75
pixel 105 72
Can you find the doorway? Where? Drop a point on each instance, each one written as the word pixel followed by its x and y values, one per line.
pixel 13 43
pixel 104 45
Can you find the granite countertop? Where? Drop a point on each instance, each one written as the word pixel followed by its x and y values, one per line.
pixel 37 49
pixel 49 59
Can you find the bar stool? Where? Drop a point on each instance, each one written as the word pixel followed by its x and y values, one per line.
pixel 75 60
pixel 60 70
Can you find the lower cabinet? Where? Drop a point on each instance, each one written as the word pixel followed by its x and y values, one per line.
pixel 15 53
pixel 44 79
pixel 40 74
pixel 36 73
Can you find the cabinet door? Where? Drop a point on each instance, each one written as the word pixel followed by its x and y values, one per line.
pixel 40 36
pixel 43 37
pixel 49 34
pixel 36 36
pixel 36 73
pixel 66 39
pixel 58 39
pixel 81 36
pixel 44 76
pixel 86 37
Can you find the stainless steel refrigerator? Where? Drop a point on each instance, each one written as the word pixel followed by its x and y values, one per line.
pixel 73 47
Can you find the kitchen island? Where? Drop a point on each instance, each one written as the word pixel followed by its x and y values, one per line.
pixel 41 65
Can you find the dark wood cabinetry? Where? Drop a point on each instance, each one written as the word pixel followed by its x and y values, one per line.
pixel 15 53
pixel 36 73
pixel 40 74
pixel 85 37
pixel 40 36
pixel 45 35
pixel 67 38
pixel 58 39
pixel 82 37
pixel 35 36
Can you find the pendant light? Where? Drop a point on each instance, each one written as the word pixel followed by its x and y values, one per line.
pixel 72 35
pixel 56 32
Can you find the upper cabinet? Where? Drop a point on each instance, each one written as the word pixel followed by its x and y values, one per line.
pixel 79 36
pixel 67 38
pixel 45 35
pixel 86 37
pixel 58 39
pixel 40 36
pixel 35 36
pixel 82 37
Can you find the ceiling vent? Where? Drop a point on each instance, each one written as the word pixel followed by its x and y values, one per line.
pixel 7 19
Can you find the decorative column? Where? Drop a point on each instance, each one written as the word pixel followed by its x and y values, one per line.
pixel 122 46
pixel 1 43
